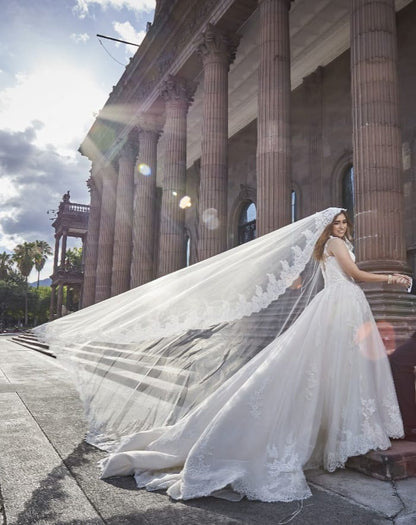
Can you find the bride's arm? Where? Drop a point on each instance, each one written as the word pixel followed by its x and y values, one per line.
pixel 338 248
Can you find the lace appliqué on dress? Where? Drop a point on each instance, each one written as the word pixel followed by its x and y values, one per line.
pixel 256 401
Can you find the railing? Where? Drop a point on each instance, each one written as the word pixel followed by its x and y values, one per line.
pixel 72 208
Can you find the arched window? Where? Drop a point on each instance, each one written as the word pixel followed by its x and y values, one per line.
pixel 247 223
pixel 188 249
pixel 348 191
pixel 293 206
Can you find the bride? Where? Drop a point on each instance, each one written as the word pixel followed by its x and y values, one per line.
pixel 317 393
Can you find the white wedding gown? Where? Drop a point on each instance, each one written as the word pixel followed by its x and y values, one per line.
pixel 318 394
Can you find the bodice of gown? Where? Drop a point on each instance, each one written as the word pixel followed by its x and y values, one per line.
pixel 332 271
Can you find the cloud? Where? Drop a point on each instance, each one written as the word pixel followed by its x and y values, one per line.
pixel 33 180
pixel 79 37
pixel 127 32
pixel 139 6
pixel 63 97
pixel 44 116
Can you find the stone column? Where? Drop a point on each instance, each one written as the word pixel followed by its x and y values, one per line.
pixel 60 300
pixel 63 249
pixel 142 266
pixel 91 245
pixel 124 218
pixel 177 94
pixel 52 303
pixel 62 267
pixel 106 236
pixel 379 236
pixel 273 119
pixel 217 51
pixel 56 253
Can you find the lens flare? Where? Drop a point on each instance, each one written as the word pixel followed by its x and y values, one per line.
pixel 388 335
pixel 144 169
pixel 210 218
pixel 174 193
pixel 185 202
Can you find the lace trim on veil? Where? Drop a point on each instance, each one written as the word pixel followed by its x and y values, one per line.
pixel 167 306
pixel 144 358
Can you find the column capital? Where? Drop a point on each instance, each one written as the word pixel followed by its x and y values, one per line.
pixel 130 148
pixel 179 89
pixel 218 45
pixel 148 122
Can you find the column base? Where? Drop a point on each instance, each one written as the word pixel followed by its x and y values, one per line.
pixel 385 266
pixel 394 311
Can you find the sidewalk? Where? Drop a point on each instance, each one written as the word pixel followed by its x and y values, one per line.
pixel 49 475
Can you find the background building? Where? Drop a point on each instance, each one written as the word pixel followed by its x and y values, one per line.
pixel 67 278
pixel 237 116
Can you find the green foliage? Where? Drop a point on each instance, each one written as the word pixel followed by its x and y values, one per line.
pixel 74 257
pixel 24 257
pixel 41 304
pixel 19 304
pixel 12 304
pixel 42 250
pixel 6 262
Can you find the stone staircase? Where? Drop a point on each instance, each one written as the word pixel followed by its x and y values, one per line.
pixel 29 340
pixel 398 462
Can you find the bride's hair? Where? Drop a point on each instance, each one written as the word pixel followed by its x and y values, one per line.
pixel 318 251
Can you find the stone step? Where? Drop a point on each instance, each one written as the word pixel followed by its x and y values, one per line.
pixel 28 340
pixel 398 462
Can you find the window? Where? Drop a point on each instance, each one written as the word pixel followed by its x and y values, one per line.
pixel 293 206
pixel 247 223
pixel 348 191
pixel 188 249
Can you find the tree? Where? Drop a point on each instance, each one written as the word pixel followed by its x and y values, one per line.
pixel 73 256
pixel 6 261
pixel 24 257
pixel 42 250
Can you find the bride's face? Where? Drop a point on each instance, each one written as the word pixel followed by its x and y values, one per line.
pixel 339 226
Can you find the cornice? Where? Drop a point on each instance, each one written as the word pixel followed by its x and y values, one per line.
pixel 167 46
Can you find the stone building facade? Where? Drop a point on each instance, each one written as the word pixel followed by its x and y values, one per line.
pixel 67 278
pixel 235 117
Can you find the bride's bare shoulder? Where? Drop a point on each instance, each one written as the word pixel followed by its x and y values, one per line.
pixel 335 244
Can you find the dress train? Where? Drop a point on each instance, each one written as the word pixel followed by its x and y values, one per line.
pixel 316 395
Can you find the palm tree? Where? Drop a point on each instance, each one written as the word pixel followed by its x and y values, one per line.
pixel 24 257
pixel 42 250
pixel 74 258
pixel 5 265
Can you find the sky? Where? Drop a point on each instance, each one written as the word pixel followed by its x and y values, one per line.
pixel 55 75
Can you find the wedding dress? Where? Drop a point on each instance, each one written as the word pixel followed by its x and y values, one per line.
pixel 317 394
pixel 234 375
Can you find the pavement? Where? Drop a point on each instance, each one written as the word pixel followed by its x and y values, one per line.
pixel 49 475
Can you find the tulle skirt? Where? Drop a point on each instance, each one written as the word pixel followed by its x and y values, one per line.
pixel 318 394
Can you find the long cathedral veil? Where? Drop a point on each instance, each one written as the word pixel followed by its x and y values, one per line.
pixel 145 358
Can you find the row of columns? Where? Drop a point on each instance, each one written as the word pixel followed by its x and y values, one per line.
pixel 122 205
pixel 121 233
pixel 59 261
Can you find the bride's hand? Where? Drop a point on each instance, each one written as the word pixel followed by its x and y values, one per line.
pixel 404 280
